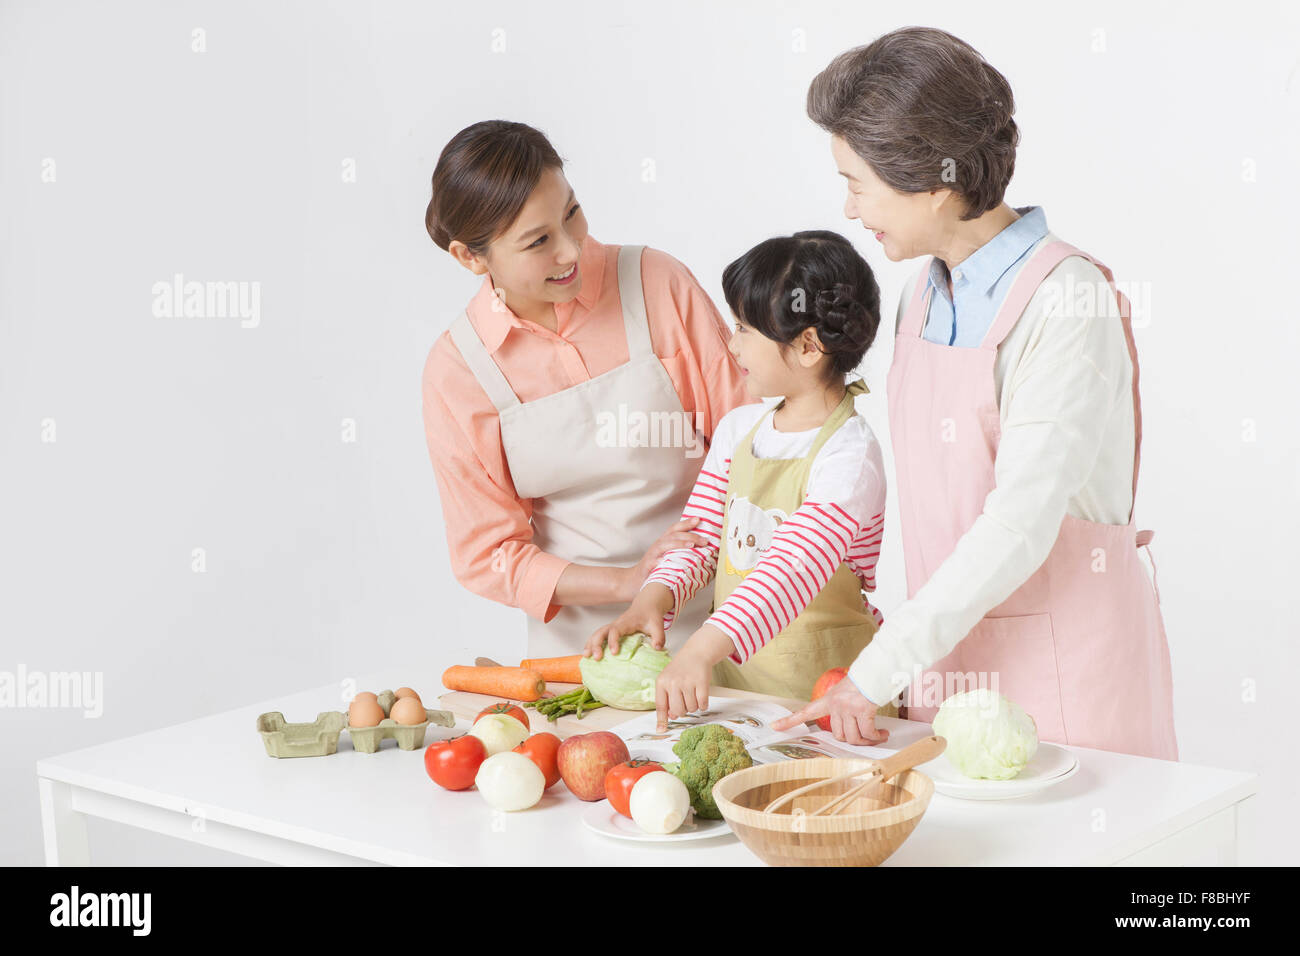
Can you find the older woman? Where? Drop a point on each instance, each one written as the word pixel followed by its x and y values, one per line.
pixel 1014 416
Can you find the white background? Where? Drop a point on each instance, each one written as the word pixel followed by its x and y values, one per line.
pixel 1162 139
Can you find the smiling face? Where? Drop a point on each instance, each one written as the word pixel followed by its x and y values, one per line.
pixel 905 224
pixel 544 241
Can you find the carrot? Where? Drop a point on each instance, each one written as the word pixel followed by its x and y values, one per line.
pixel 563 670
pixel 513 683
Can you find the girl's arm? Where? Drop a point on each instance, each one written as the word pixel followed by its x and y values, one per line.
pixel 840 520
pixel 683 571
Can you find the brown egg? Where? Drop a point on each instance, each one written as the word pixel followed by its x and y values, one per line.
pixel 408 710
pixel 405 692
pixel 366 695
pixel 364 713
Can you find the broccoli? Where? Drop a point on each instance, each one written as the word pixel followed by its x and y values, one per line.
pixel 708 754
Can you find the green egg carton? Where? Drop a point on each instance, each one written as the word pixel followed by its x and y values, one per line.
pixel 316 739
pixel 320 737
pixel 408 736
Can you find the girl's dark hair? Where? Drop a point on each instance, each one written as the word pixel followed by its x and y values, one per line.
pixel 925 111
pixel 813 278
pixel 482 180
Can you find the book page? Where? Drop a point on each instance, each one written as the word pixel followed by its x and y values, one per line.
pixel 746 718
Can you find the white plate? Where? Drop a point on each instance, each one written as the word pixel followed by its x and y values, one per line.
pixel 604 819
pixel 1051 765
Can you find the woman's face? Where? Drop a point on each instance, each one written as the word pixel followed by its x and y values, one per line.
pixel 543 243
pixel 905 224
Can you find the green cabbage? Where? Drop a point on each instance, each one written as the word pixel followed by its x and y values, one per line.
pixel 989 736
pixel 625 680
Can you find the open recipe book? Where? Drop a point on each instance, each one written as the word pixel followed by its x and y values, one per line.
pixel 748 719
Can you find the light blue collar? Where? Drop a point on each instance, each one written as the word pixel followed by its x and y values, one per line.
pixel 982 269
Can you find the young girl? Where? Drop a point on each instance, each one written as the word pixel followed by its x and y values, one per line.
pixel 791 497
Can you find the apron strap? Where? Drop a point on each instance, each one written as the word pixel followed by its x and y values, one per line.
pixel 842 413
pixel 1027 282
pixel 1031 276
pixel 745 448
pixel 838 417
pixel 636 324
pixel 485 369
pixel 914 316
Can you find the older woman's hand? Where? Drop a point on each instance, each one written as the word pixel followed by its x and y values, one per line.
pixel 853 717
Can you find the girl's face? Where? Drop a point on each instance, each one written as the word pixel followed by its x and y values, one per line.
pixel 905 224
pixel 768 367
pixel 535 260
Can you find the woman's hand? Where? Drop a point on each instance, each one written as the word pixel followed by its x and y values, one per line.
pixel 853 717
pixel 678 536
pixel 645 614
pixel 683 686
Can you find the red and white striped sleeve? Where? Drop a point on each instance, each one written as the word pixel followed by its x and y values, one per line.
pixel 862 558
pixel 685 570
pixel 840 521
pixel 806 549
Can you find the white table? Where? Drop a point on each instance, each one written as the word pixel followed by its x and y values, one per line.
pixel 210 781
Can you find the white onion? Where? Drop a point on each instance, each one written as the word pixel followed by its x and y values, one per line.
pixel 499 732
pixel 510 781
pixel 659 802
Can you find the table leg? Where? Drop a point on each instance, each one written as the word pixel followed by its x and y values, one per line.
pixel 63 828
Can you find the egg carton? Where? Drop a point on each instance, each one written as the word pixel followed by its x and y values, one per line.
pixel 320 737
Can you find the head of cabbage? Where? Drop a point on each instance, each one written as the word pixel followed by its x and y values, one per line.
pixel 625 680
pixel 989 736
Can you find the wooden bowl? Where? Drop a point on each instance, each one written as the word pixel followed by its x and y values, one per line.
pixel 864 834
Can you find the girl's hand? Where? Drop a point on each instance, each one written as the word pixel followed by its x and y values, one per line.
pixel 853 717
pixel 683 686
pixel 678 536
pixel 645 614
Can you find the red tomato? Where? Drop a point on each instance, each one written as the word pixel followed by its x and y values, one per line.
pixel 510 710
pixel 823 686
pixel 622 778
pixel 454 763
pixel 540 749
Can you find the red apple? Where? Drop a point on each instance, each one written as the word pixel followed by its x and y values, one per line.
pixel 585 759
pixel 823 686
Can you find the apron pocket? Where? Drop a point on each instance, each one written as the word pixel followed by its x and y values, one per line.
pixel 1015 656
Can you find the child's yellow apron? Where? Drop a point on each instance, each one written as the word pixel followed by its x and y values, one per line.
pixel 836 625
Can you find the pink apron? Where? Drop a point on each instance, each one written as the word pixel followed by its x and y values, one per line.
pixel 1081 644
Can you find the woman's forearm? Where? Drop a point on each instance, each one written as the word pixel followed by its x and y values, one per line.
pixel 583 585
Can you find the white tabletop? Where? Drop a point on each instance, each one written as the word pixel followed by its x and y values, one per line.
pixel 383 807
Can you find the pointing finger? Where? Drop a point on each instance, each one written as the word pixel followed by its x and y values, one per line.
pixel 818 708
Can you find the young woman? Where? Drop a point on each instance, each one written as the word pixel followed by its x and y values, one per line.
pixel 1014 415
pixel 791 498
pixel 567 408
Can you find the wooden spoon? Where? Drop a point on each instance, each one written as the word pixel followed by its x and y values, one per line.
pixel 916 753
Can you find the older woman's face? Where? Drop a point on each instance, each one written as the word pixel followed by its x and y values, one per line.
pixel 905 224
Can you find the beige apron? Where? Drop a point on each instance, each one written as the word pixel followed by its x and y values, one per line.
pixel 836 625
pixel 605 462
